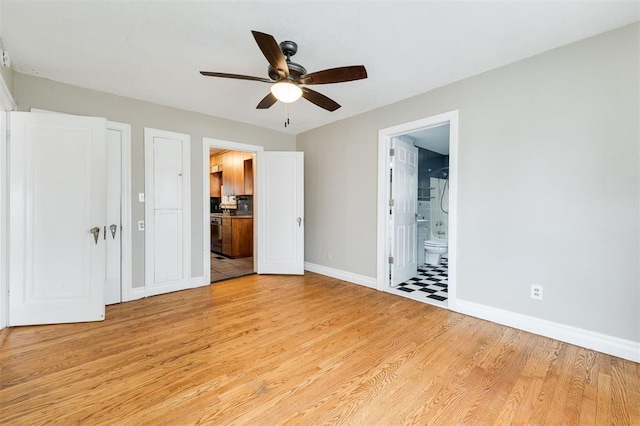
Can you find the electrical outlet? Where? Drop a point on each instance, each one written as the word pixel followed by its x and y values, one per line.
pixel 141 225
pixel 536 291
pixel 329 255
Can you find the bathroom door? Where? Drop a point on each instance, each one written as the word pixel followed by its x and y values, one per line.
pixel 404 192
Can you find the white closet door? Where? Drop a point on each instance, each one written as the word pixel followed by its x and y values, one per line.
pixel 118 269
pixel 167 211
pixel 57 195
pixel 404 188
pixel 113 284
pixel 280 201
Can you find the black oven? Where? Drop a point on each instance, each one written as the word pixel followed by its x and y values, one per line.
pixel 216 234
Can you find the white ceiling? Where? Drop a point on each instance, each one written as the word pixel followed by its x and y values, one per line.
pixel 153 50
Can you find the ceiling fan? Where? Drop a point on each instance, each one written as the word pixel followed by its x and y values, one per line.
pixel 290 80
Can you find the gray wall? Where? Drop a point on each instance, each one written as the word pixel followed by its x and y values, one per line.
pixel 7 76
pixel 548 184
pixel 46 94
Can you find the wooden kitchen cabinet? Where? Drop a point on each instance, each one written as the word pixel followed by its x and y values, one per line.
pixel 248 175
pixel 215 175
pixel 238 173
pixel 215 182
pixel 237 236
pixel 233 180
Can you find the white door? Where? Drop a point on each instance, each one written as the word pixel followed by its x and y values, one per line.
pixel 113 287
pixel 167 211
pixel 280 212
pixel 118 268
pixel 404 192
pixel 57 196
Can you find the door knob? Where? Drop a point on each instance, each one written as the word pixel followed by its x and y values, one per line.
pixel 113 227
pixel 96 232
pixel 299 221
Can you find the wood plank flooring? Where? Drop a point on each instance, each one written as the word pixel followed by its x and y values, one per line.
pixel 304 350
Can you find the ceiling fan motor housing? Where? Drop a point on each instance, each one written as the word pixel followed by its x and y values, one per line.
pixel 289 48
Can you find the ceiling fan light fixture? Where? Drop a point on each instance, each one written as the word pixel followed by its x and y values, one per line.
pixel 286 92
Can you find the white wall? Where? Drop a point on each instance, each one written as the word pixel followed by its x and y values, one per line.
pixel 34 92
pixel 548 184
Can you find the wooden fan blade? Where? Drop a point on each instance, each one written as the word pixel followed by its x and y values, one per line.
pixel 236 76
pixel 335 75
pixel 319 99
pixel 267 101
pixel 271 51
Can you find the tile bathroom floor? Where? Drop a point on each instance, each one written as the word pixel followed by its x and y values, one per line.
pixel 430 285
pixel 224 268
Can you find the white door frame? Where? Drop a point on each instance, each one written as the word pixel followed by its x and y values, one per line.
pixel 125 208
pixel 207 144
pixel 383 233
pixel 7 103
pixel 4 228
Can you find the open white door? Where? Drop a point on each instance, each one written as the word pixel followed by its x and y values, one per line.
pixel 404 192
pixel 280 212
pixel 57 197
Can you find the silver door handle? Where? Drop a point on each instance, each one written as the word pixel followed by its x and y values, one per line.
pixel 113 227
pixel 299 222
pixel 96 232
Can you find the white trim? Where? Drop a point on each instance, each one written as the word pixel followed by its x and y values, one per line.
pixel 615 346
pixel 7 103
pixel 384 141
pixel 207 144
pixel 149 135
pixel 125 208
pixel 363 280
pixel 199 282
pixel 134 294
pixel 4 228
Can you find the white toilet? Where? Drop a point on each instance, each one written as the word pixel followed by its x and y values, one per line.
pixel 434 249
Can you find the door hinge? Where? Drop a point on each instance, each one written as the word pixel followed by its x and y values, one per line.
pixel 390 260
pixel 392 152
pixel 391 203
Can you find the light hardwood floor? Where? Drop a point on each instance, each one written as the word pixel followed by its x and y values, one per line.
pixel 306 350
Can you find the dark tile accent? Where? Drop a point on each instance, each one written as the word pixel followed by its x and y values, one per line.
pixel 432 280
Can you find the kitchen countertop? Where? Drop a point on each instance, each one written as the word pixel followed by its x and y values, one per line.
pixel 232 216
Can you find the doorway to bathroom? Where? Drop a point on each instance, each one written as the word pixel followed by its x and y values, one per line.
pixel 417 194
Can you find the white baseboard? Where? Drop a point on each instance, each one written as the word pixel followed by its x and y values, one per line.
pixel 342 275
pixel 615 346
pixel 140 292
pixel 135 293
pixel 198 282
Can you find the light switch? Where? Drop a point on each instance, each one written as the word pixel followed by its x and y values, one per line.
pixel 141 197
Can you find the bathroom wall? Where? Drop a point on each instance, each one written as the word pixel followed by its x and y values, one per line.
pixel 439 208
